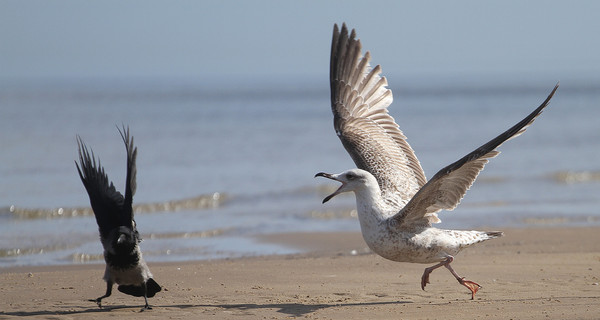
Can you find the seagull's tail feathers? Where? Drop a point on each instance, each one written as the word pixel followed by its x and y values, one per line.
pixel 494 234
pixel 469 238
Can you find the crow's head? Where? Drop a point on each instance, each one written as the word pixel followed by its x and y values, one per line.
pixel 124 240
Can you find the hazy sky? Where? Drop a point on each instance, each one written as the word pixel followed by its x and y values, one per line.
pixel 204 39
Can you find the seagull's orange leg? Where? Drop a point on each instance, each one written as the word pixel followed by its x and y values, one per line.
pixel 472 286
pixel 425 277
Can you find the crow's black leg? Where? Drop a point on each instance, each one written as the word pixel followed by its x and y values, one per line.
pixel 146 307
pixel 109 286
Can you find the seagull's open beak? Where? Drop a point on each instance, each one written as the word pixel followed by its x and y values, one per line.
pixel 332 177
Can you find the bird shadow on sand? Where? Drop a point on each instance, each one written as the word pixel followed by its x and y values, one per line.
pixel 71 309
pixel 290 309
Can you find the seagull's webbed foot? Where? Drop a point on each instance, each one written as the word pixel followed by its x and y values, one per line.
pixel 425 278
pixel 474 287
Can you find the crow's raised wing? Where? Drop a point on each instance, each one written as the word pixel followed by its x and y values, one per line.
pixel 110 208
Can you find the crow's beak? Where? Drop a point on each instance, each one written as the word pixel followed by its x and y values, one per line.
pixel 121 239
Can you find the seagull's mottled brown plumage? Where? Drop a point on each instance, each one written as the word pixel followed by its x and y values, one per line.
pixel 396 204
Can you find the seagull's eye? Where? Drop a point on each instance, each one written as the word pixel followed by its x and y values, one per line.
pixel 350 176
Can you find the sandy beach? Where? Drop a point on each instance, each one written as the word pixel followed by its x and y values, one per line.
pixel 536 273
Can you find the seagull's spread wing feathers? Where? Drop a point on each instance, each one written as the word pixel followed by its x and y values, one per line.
pixel 359 101
pixel 110 207
pixel 447 187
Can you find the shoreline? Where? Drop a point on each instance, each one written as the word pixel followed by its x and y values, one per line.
pixel 527 274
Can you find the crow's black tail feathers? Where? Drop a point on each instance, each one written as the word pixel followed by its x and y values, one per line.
pixel 138 291
pixel 152 287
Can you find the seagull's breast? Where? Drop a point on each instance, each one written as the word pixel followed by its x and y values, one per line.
pixel 387 239
pixel 426 246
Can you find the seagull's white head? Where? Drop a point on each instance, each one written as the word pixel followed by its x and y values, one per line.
pixel 352 180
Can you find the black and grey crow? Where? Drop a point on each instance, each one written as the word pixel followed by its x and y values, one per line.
pixel 118 233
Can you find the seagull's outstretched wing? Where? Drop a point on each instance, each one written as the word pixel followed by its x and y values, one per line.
pixel 110 207
pixel 359 101
pixel 449 185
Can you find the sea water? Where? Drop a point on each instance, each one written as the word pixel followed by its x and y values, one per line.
pixel 220 163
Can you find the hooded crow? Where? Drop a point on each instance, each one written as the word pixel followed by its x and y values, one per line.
pixel 118 233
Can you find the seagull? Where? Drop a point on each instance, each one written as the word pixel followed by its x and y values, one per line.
pixel 125 265
pixel 396 204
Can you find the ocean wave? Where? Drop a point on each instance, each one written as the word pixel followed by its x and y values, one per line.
pixel 200 202
pixel 185 235
pixel 14 252
pixel 333 214
pixel 561 220
pixel 570 177
pixel 85 257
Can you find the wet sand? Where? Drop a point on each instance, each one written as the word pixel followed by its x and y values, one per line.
pixel 537 273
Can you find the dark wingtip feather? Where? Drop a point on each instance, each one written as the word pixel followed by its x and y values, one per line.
pixel 491 145
pixel 495 234
pixel 131 150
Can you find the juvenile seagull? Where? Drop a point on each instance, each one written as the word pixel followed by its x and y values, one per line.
pixel 395 203
pixel 118 234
